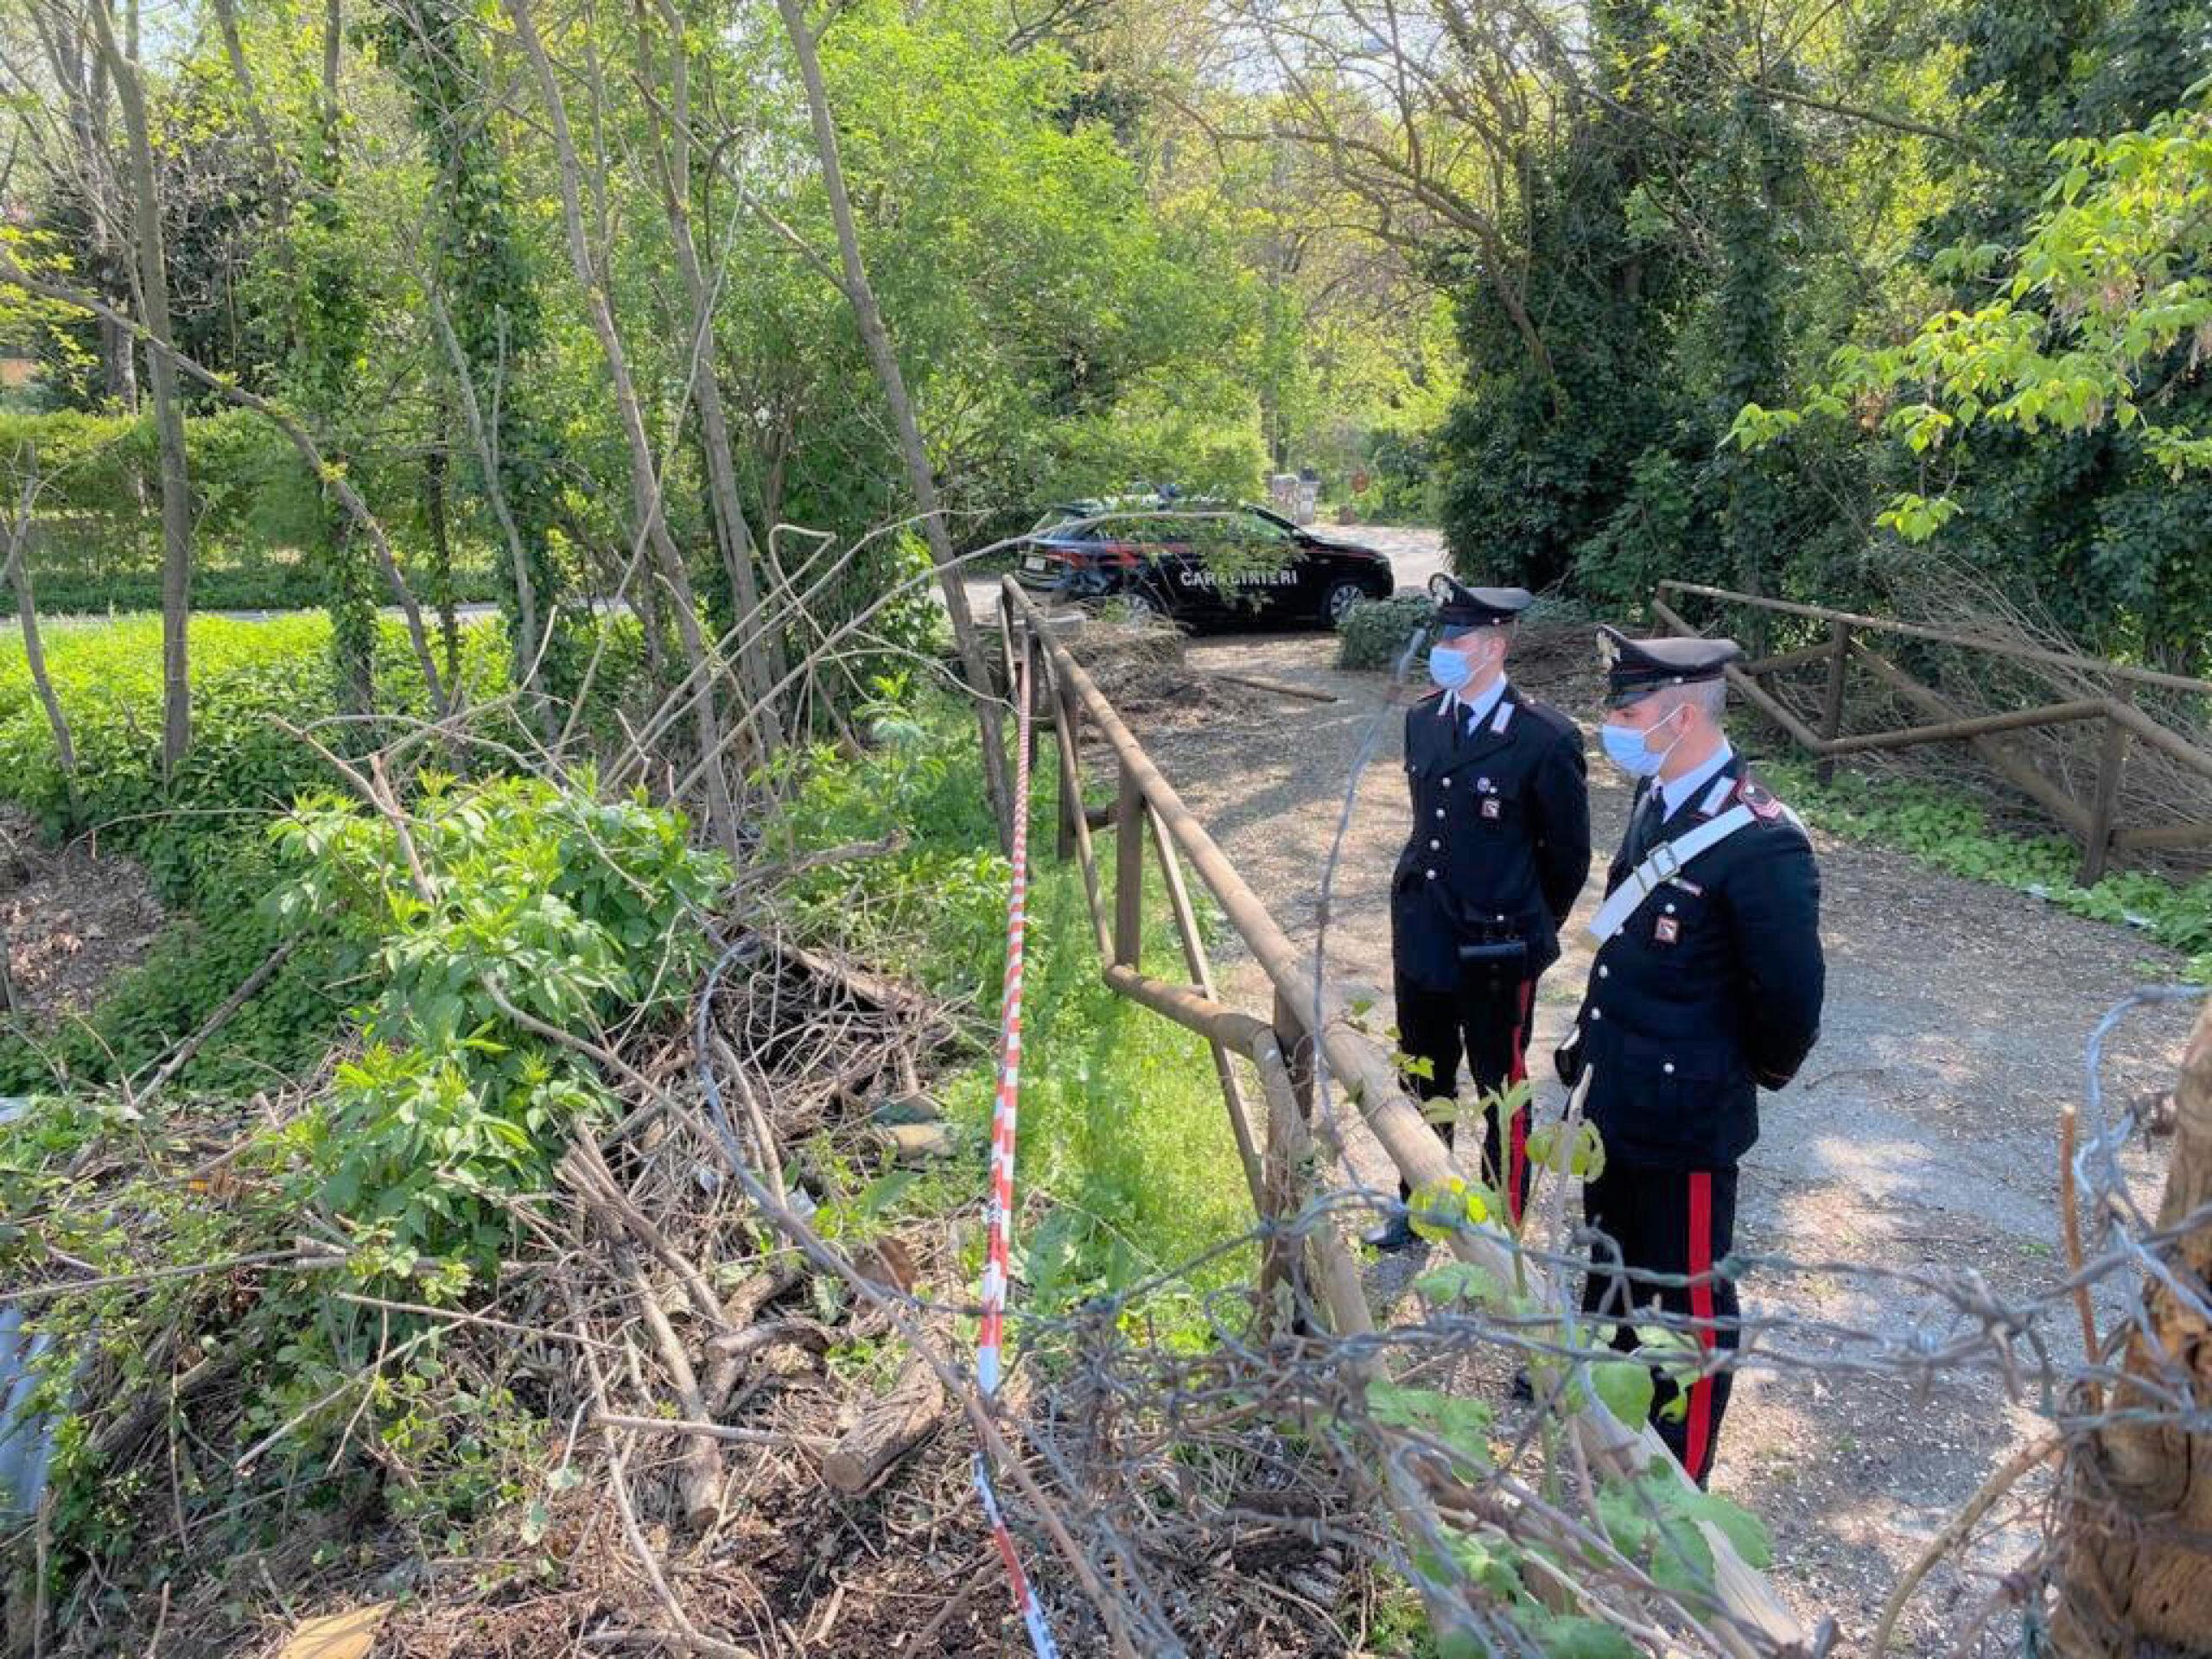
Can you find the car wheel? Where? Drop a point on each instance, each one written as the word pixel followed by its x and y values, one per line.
pixel 1141 604
pixel 1336 603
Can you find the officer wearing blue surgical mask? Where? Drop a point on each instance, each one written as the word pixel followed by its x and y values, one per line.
pixel 1500 847
pixel 1706 987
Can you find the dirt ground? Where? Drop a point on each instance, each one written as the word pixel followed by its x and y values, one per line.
pixel 70 920
pixel 1919 1136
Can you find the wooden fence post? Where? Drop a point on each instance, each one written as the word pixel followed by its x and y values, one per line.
pixel 1832 710
pixel 1289 1136
pixel 1128 871
pixel 1201 972
pixel 1068 731
pixel 2112 761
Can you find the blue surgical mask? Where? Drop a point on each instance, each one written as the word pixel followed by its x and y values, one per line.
pixel 1457 666
pixel 1631 751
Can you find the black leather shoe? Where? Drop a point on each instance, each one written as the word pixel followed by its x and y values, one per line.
pixel 1395 1234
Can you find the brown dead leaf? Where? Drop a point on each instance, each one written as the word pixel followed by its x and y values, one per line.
pixel 349 1634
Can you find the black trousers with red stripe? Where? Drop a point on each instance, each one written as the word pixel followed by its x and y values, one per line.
pixel 1676 1223
pixel 1487 1019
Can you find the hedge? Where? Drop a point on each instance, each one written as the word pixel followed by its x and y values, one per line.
pixel 1373 633
pixel 257 513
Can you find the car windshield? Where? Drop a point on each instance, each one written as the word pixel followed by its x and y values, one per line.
pixel 1067 522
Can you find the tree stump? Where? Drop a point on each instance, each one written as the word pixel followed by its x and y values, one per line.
pixel 2136 1529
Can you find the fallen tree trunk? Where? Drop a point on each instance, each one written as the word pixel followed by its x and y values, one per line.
pixel 2136 1524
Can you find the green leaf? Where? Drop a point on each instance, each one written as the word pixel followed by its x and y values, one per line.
pixel 1463 1282
pixel 1626 1389
pixel 1566 1636
pixel 1743 1529
pixel 884 1191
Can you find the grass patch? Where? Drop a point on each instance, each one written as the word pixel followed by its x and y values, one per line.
pixel 1950 829
pixel 1123 1129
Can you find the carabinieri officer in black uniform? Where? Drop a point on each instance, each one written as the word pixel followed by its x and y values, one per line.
pixel 1706 988
pixel 1500 848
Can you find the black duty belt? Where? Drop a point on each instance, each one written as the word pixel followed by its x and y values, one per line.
pixel 1491 945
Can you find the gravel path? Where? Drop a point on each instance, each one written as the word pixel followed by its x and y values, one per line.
pixel 1920 1135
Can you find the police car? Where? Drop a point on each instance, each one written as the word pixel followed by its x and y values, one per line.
pixel 1198 563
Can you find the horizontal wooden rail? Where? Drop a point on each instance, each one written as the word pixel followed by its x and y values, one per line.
pixel 1787 660
pixel 1945 731
pixel 1946 637
pixel 2164 838
pixel 2016 772
pixel 2093 824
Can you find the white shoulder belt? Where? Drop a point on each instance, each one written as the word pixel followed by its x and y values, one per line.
pixel 1666 860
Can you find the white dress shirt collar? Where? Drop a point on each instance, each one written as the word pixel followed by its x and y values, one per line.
pixel 1481 706
pixel 1677 791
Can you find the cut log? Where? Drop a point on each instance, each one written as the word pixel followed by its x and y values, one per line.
pixel 2137 1521
pixel 1277 688
pixel 885 1431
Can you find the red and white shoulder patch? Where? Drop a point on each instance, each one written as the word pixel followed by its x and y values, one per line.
pixel 1760 800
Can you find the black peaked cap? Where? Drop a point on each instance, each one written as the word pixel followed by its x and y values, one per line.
pixel 1459 606
pixel 1636 668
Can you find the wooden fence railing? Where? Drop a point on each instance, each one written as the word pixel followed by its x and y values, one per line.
pixel 2091 822
pixel 1284 1049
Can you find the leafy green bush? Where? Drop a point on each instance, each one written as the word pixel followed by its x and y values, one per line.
pixel 200 837
pixel 577 912
pixel 533 905
pixel 1402 484
pixel 1373 633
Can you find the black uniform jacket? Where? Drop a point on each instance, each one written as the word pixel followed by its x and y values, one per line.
pixel 1501 834
pixel 1710 991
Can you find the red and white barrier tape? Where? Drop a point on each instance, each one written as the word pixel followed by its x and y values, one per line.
pixel 999 1211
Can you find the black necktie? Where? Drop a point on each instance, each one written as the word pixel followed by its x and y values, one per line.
pixel 1643 828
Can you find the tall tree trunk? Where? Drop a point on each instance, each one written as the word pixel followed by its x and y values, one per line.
pixel 529 643
pixel 645 479
pixel 226 20
pixel 483 295
pixel 80 73
pixel 18 575
pixel 436 487
pixel 332 325
pixel 893 380
pixel 169 408
pixel 734 535
pixel 2137 1521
